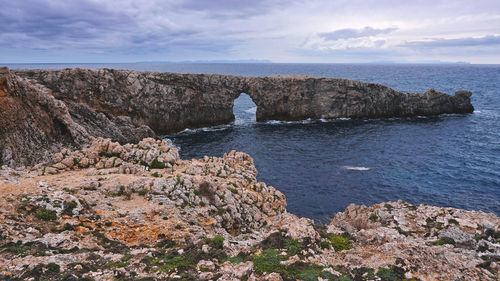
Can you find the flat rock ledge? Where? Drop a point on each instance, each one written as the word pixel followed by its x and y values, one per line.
pixel 43 111
pixel 138 212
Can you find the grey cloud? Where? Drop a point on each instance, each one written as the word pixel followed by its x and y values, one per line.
pixel 490 40
pixel 348 33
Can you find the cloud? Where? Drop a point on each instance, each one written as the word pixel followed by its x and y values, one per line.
pixel 349 33
pixel 490 40
pixel 137 30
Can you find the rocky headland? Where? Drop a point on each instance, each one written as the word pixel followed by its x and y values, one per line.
pixel 44 110
pixel 139 212
pixel 86 194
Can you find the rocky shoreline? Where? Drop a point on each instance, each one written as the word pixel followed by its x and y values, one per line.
pixel 139 212
pixel 77 206
pixel 44 111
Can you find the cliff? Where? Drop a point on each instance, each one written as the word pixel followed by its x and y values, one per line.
pixel 138 212
pixel 42 108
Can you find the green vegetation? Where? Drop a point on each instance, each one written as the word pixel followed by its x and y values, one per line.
pixel 115 264
pixel 157 164
pixel 453 221
pixel 175 262
pixel 143 192
pixel 325 245
pixel 444 240
pixel 156 175
pixel 373 217
pixel 53 267
pixel 268 261
pixel 220 211
pixel 340 243
pixel 236 259
pixel 387 274
pixel 216 242
pixel 45 214
pixel 68 208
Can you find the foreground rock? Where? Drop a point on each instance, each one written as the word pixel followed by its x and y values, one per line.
pixel 44 110
pixel 130 212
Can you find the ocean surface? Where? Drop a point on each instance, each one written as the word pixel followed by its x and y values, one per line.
pixel 323 166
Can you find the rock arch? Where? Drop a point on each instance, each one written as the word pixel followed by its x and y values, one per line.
pixel 170 102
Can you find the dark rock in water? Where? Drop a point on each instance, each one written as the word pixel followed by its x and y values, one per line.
pixel 67 107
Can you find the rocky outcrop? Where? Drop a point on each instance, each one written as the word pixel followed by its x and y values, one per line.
pixel 169 102
pixel 34 123
pixel 138 212
pixel 44 110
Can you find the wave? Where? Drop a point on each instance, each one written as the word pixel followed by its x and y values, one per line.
pixel 171 143
pixel 251 110
pixel 361 168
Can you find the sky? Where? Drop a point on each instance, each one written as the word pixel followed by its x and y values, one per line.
pixel 313 31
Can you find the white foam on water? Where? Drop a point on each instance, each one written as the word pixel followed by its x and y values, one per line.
pixel 251 110
pixel 171 143
pixel 361 168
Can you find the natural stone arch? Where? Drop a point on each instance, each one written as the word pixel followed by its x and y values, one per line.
pixel 171 102
pixel 243 96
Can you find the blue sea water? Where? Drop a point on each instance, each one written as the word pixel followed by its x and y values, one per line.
pixel 322 166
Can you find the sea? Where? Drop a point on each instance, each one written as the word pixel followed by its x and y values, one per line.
pixel 322 166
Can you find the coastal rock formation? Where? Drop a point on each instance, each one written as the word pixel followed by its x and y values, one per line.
pixel 35 124
pixel 138 212
pixel 44 110
pixel 170 102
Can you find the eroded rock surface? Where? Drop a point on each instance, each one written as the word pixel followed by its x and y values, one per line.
pixel 43 111
pixel 169 102
pixel 138 212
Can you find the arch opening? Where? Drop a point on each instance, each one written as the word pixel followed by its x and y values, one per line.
pixel 244 109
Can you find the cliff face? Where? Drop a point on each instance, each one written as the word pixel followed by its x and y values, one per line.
pixel 41 109
pixel 169 102
pixel 34 123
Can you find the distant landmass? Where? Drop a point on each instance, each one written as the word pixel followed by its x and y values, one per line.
pixel 418 62
pixel 211 61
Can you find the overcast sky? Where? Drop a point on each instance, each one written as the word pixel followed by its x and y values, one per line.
pixel 276 30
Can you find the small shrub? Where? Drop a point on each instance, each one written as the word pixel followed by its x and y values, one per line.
pixel 45 214
pixel 340 243
pixel 236 259
pixel 373 217
pixel 220 211
pixel 157 164
pixel 325 245
pixel 53 267
pixel 453 221
pixel 143 192
pixel 387 274
pixel 68 208
pixel 268 261
pixel 292 246
pixel 217 242
pixel 156 175
pixel 115 264
pixel 444 240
